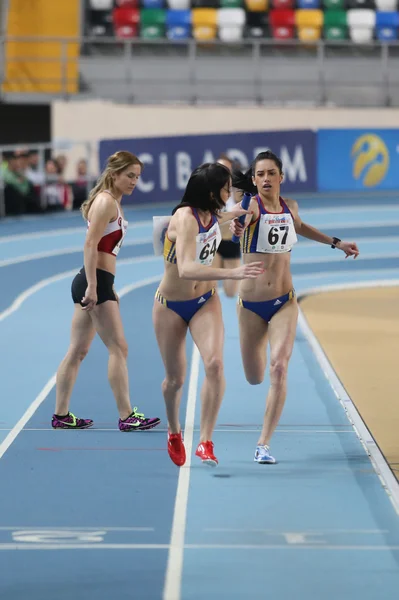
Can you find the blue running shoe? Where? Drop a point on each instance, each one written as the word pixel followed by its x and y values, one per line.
pixel 263 456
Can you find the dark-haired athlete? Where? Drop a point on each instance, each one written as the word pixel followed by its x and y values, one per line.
pixel 186 299
pixel 267 307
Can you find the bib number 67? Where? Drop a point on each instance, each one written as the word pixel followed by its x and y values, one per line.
pixel 274 235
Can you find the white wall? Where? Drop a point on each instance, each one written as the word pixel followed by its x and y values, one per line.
pixel 95 120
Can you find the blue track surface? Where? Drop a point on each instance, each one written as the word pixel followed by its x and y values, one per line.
pixel 89 514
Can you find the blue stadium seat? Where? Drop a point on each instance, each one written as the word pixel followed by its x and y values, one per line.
pixel 387 34
pixel 311 4
pixel 178 24
pixel 152 3
pixel 387 19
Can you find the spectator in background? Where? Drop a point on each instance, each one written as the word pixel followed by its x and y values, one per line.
pixel 61 161
pixel 19 194
pixel 57 195
pixel 79 186
pixel 33 172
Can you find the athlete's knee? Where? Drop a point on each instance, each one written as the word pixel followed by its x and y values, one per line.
pixel 214 367
pixel 172 384
pixel 78 353
pixel 120 348
pixel 278 369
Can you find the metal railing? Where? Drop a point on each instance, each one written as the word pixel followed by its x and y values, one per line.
pixel 259 72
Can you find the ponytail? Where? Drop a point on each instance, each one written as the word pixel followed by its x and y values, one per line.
pixel 243 181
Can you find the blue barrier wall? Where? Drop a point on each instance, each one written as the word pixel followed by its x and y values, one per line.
pixel 327 160
pixel 357 159
pixel 170 160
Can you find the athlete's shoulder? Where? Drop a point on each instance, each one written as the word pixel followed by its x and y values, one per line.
pixel 292 204
pixel 104 201
pixel 184 219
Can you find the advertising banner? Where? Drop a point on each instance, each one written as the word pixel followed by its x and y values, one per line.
pixel 169 161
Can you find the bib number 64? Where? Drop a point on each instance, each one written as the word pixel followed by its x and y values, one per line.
pixel 274 235
pixel 207 250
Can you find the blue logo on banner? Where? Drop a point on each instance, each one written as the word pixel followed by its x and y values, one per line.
pixel 169 161
pixel 357 159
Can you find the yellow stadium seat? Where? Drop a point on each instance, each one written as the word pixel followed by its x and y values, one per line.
pixel 309 18
pixel 204 32
pixel 204 17
pixel 256 5
pixel 204 21
pixel 309 34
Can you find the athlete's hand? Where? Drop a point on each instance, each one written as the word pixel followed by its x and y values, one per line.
pixel 90 298
pixel 350 248
pixel 238 211
pixel 237 229
pixel 249 271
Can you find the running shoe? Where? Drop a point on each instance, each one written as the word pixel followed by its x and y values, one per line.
pixel 70 422
pixel 176 449
pixel 205 452
pixel 138 422
pixel 263 456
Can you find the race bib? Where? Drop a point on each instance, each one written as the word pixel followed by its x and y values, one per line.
pixel 276 233
pixel 123 225
pixel 160 227
pixel 207 244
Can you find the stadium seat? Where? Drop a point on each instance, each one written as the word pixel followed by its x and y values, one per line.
pixel 152 23
pixel 152 3
pixel 128 3
pixel 204 22
pixel 309 24
pixel 231 23
pixel 387 34
pixel 178 24
pixel 257 26
pixel 387 19
pixel 386 5
pixel 178 4
pixel 308 4
pixel 282 24
pixel 335 26
pixel 126 21
pixel 282 4
pixel 101 4
pixel 387 26
pixel 99 23
pixel 361 23
pixel 360 4
pixel 334 4
pixel 256 5
pixel 282 18
pixel 231 3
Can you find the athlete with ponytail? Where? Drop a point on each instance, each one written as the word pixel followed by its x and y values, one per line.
pixel 187 300
pixel 96 303
pixel 267 307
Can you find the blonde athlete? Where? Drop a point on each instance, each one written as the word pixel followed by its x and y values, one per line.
pixel 186 300
pixel 267 307
pixel 96 303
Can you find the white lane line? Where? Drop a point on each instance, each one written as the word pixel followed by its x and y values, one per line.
pixel 19 300
pixel 381 467
pixel 16 430
pixel 174 569
pixel 62 231
pixel 296 547
pixel 61 251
